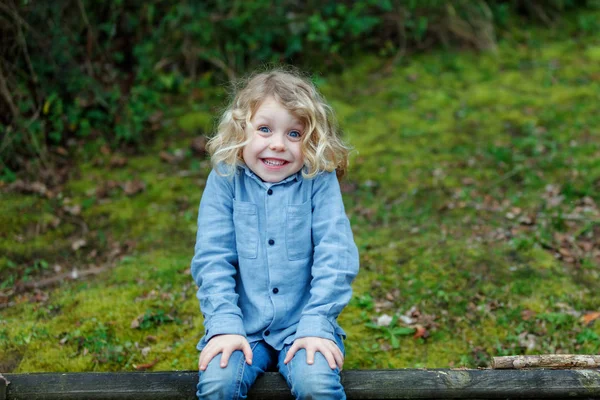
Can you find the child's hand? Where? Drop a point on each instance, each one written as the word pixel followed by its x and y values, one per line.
pixel 225 344
pixel 328 348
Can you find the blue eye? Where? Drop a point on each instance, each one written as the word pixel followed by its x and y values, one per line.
pixel 295 134
pixel 264 129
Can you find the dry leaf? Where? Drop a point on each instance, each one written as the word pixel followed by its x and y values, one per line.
pixel 136 321
pixel 589 317
pixel 151 339
pixel 73 210
pixel 384 320
pixel 166 157
pixel 118 162
pixel 142 367
pixel 526 315
pixel 79 243
pixel 133 187
pixel 420 331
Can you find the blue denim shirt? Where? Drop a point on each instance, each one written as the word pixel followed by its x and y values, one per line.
pixel 273 262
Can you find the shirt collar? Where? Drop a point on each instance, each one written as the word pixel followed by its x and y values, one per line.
pixel 297 177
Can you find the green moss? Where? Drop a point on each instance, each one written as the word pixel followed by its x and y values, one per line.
pixel 447 144
pixel 199 122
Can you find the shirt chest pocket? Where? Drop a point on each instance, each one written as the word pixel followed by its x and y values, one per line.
pixel 245 220
pixel 298 234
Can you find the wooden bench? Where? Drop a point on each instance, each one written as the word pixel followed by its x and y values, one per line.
pixel 359 384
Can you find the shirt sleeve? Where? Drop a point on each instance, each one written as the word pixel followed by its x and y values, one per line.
pixel 335 260
pixel 214 265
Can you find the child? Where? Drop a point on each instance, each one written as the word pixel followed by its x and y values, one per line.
pixel 274 255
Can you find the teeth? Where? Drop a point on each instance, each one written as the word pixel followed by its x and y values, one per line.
pixel 273 162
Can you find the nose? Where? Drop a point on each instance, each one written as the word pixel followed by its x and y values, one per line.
pixel 276 143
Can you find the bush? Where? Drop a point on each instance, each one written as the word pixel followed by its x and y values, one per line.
pixel 83 69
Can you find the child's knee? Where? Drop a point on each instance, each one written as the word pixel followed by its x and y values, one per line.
pixel 317 380
pixel 319 386
pixel 221 383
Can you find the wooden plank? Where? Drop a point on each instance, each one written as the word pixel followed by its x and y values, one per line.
pixel 3 384
pixel 359 384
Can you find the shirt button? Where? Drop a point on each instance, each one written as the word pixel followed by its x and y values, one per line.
pixel 269 192
pixel 267 333
pixel 275 290
pixel 271 242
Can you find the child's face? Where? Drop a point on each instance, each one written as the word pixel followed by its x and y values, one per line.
pixel 274 151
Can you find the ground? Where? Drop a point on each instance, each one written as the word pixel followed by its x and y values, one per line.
pixel 473 193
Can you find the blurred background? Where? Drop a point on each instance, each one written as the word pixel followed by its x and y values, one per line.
pixel 473 188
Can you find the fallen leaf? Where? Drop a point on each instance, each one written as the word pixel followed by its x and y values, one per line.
pixel 526 315
pixel 167 157
pixel 118 162
pixel 151 339
pixel 589 317
pixel 133 187
pixel 385 346
pixel 136 321
pixel 420 332
pixel 142 367
pixel 79 243
pixel 61 150
pixel 565 252
pixel 384 320
pixel 26 187
pixel 73 210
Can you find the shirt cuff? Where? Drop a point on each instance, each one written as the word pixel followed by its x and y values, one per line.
pixel 224 325
pixel 316 326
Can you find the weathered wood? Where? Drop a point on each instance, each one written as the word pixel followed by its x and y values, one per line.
pixel 547 361
pixel 3 383
pixel 359 384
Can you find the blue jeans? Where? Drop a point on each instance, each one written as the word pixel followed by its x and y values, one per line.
pixel 316 381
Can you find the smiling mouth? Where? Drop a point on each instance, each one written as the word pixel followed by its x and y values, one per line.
pixel 272 162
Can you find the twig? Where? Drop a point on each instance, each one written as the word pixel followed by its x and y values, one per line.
pixel 506 176
pixel 547 361
pixel 217 63
pixel 5 92
pixel 67 276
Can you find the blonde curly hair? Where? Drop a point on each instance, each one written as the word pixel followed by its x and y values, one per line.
pixel 322 146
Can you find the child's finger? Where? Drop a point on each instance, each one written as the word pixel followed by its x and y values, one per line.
pixel 330 358
pixel 247 352
pixel 339 357
pixel 225 357
pixel 310 356
pixel 290 353
pixel 205 357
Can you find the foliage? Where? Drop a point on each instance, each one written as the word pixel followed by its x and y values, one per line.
pixel 80 70
pixel 474 197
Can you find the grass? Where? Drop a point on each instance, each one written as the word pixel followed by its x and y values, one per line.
pixel 473 195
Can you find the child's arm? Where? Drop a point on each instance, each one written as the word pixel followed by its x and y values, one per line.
pixel 214 263
pixel 335 261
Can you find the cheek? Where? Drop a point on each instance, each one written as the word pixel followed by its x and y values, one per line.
pixel 299 154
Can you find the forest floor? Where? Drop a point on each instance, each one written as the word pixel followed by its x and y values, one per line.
pixel 473 194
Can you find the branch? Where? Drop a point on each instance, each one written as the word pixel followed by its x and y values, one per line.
pixel 547 361
pixel 5 93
